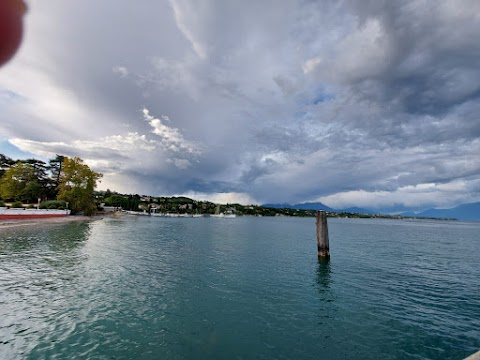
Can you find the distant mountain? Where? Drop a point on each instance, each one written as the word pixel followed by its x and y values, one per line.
pixel 397 209
pixel 436 213
pixel 357 210
pixel 408 214
pixel 302 206
pixel 312 206
pixel 278 206
pixel 461 212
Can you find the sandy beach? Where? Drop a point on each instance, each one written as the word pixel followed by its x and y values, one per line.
pixel 7 224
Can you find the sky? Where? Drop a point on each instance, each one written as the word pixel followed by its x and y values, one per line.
pixel 352 103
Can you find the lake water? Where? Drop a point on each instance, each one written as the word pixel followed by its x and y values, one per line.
pixel 244 288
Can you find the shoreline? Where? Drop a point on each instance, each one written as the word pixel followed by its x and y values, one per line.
pixel 8 224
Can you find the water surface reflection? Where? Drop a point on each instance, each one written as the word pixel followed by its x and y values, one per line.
pixel 38 272
pixel 323 275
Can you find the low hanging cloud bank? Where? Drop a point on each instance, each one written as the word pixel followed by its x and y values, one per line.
pixel 418 197
pixel 372 104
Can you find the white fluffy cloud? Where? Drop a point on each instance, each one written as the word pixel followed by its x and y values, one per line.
pixel 170 137
pixel 414 197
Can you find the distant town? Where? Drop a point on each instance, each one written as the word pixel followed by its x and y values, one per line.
pixel 111 201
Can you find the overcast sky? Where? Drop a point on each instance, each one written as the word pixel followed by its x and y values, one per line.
pixel 352 103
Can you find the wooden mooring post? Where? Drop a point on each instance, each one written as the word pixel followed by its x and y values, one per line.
pixel 322 235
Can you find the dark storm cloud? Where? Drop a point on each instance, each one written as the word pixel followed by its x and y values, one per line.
pixel 431 54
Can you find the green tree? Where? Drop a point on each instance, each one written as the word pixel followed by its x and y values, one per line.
pixel 133 202
pixel 5 163
pixel 107 194
pixel 39 185
pixel 116 200
pixel 77 184
pixel 55 167
pixel 20 182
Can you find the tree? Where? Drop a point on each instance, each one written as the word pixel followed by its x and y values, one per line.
pixel 77 183
pixel 116 200
pixel 107 194
pixel 20 183
pixel 38 186
pixel 55 168
pixel 5 163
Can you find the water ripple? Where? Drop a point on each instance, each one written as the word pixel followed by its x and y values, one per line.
pixel 248 288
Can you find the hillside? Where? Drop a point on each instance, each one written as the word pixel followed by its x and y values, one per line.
pixel 461 212
pixel 470 212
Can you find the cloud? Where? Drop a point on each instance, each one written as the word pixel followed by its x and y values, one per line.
pixel 110 144
pixel 270 101
pixel 119 154
pixel 170 137
pixel 223 198
pixel 121 71
pixel 188 15
pixel 311 64
pixel 417 197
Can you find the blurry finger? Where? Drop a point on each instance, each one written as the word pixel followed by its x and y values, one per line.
pixel 11 27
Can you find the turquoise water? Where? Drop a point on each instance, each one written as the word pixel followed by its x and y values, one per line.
pixel 244 288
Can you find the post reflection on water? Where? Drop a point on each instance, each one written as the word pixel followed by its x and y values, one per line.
pixel 326 305
pixel 323 276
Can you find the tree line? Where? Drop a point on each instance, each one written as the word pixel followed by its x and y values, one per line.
pixel 61 178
